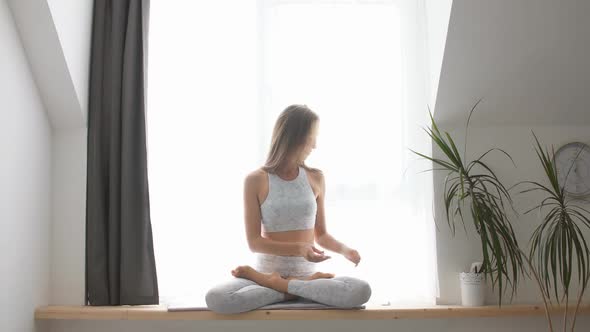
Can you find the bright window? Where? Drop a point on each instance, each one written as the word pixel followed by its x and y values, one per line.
pixel 220 72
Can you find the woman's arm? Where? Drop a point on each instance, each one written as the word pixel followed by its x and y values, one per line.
pixel 322 237
pixel 256 242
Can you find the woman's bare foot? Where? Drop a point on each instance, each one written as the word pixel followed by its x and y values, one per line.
pixel 243 271
pixel 272 280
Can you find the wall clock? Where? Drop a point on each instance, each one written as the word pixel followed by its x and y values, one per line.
pixel 573 168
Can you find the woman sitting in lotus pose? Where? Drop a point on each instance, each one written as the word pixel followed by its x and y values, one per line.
pixel 284 216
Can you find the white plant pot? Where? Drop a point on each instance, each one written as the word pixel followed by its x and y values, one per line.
pixel 472 289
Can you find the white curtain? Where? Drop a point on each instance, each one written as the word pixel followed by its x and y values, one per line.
pixel 221 72
pixel 417 185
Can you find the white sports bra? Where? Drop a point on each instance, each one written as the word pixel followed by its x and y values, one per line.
pixel 290 205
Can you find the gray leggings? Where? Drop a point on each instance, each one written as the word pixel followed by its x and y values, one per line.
pixel 240 295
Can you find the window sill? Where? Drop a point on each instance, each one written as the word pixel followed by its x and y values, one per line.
pixel 371 313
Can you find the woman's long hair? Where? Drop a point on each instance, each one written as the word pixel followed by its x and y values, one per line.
pixel 290 133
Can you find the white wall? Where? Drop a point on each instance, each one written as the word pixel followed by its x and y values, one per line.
pixel 56 36
pixel 69 217
pixel 25 181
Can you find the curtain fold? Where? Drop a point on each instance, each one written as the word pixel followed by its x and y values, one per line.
pixel 417 185
pixel 120 265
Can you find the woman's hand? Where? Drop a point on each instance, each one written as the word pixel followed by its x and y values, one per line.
pixel 312 254
pixel 352 255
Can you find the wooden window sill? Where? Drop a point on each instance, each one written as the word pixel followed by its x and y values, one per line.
pixel 157 312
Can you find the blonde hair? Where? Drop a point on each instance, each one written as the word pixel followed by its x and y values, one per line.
pixel 291 131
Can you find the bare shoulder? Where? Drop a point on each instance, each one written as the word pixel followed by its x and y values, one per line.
pixel 255 178
pixel 316 174
pixel 316 179
pixel 256 184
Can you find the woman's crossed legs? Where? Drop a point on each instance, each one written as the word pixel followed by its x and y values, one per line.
pixel 252 289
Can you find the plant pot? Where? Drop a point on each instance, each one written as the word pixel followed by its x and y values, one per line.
pixel 472 289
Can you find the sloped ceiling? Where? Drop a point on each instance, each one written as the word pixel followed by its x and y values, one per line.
pixel 73 23
pixel 56 38
pixel 527 59
pixel 437 23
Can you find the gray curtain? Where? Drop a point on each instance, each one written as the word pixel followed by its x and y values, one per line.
pixel 120 265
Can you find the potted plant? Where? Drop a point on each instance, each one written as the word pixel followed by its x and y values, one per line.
pixel 559 252
pixel 472 188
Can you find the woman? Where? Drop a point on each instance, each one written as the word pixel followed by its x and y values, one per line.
pixel 284 215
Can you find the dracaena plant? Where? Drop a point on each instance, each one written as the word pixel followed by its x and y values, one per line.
pixel 471 187
pixel 558 252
